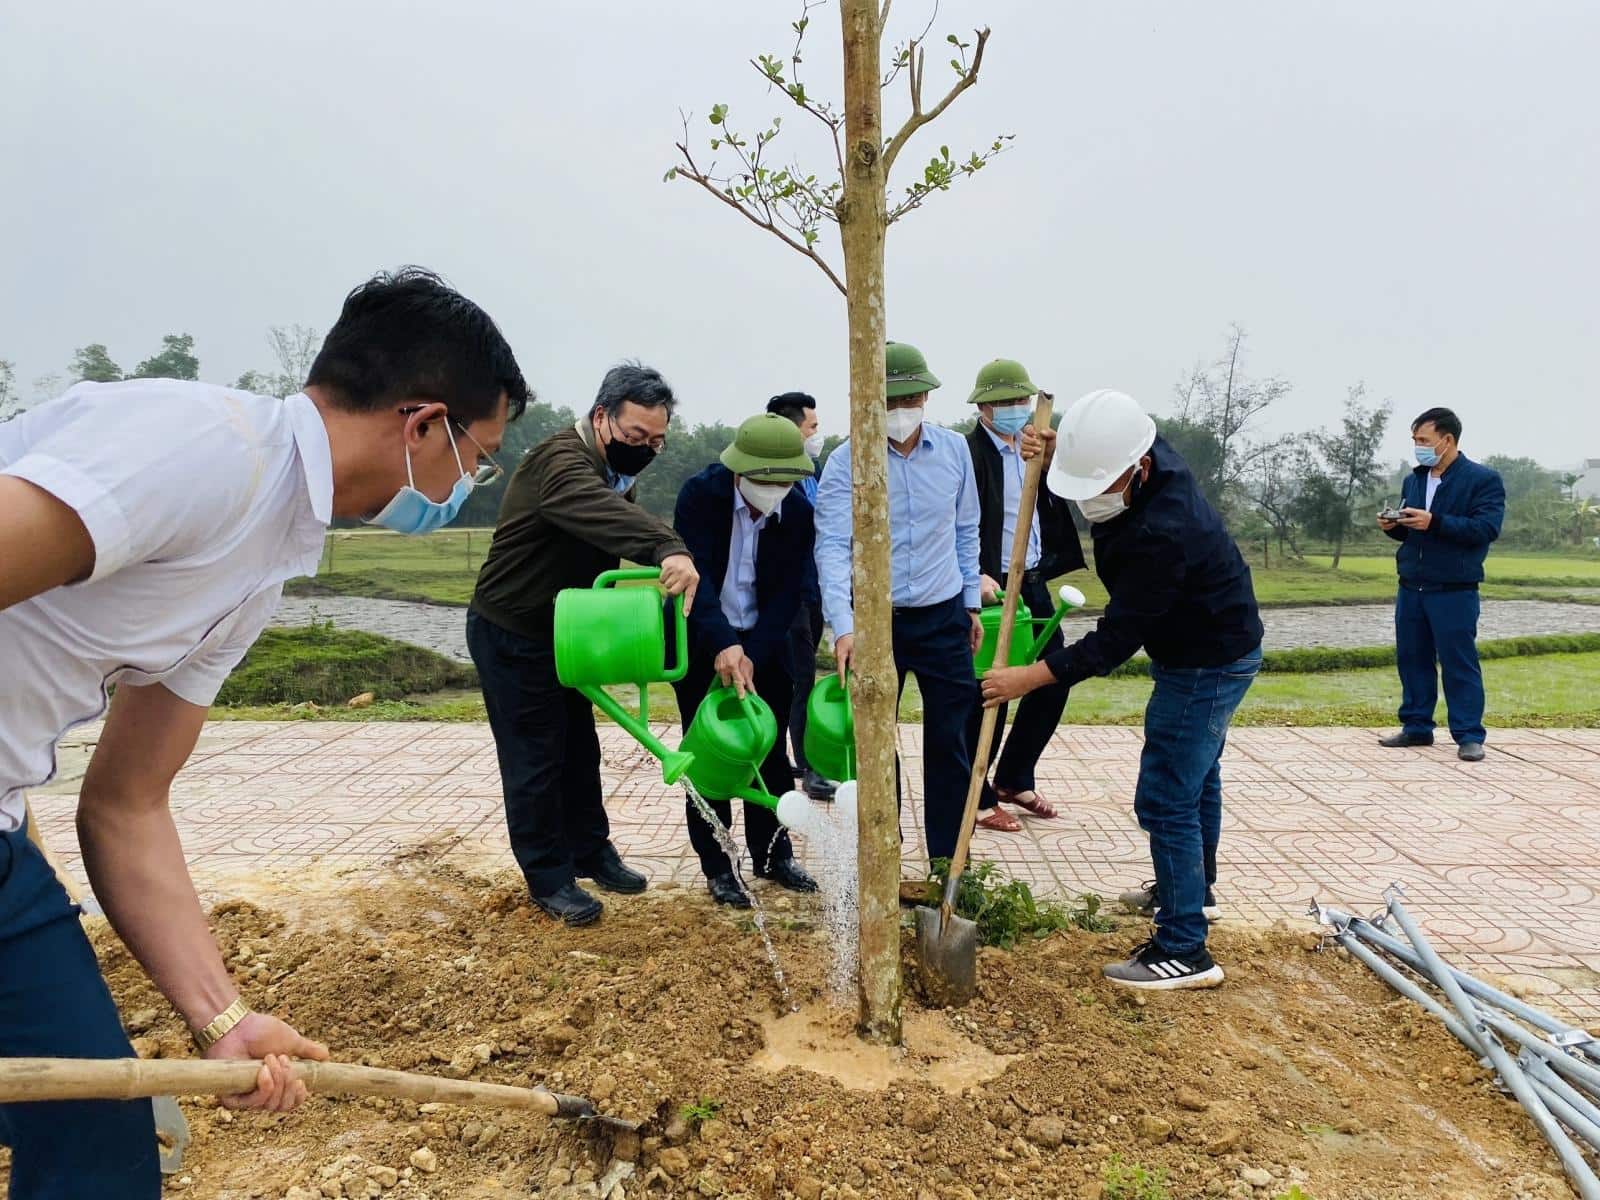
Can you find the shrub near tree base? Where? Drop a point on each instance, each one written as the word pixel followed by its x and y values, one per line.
pixel 1321 660
pixel 328 666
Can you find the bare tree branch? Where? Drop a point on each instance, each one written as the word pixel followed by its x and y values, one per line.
pixel 691 171
pixel 918 118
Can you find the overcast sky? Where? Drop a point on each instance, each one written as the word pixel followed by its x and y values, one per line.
pixel 1402 193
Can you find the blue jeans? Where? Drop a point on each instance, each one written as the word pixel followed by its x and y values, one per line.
pixel 1178 798
pixel 1439 628
pixel 54 1003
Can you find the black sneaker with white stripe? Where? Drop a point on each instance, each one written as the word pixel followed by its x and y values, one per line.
pixel 1152 969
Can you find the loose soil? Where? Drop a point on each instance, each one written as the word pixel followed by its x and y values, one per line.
pixel 1301 1070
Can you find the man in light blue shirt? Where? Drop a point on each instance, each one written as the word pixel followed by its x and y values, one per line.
pixel 934 584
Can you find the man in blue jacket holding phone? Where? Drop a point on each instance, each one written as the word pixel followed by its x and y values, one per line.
pixel 1450 510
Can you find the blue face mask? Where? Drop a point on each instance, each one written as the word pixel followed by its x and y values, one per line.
pixel 1427 456
pixel 412 512
pixel 1010 421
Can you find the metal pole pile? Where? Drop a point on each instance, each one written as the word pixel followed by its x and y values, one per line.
pixel 1555 1077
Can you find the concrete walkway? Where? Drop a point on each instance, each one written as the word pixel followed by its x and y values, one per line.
pixel 1501 860
pixel 443 630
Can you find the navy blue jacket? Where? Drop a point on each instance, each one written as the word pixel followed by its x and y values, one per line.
pixel 786 571
pixel 1468 509
pixel 1179 586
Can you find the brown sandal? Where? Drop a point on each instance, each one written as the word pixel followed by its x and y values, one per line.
pixel 1038 805
pixel 999 820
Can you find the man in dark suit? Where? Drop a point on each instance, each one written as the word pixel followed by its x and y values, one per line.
pixel 751 534
pixel 1000 443
pixel 1451 509
pixel 805 635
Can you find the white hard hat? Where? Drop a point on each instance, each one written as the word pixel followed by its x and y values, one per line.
pixel 1102 435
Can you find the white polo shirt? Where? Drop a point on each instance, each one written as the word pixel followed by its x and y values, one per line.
pixel 201 501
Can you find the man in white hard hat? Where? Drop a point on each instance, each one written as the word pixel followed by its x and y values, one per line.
pixel 1180 589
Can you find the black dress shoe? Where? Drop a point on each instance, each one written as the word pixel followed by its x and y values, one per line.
pixel 785 872
pixel 816 786
pixel 1397 741
pixel 1470 752
pixel 725 889
pixel 572 905
pixel 609 871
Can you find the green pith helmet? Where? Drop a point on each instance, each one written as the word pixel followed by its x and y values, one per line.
pixel 1001 380
pixel 769 448
pixel 906 371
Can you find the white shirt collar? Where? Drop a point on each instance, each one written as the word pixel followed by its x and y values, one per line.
pixel 316 455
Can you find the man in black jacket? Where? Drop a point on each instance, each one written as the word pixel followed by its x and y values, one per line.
pixel 1179 588
pixel 1000 443
pixel 1451 509
pixel 751 534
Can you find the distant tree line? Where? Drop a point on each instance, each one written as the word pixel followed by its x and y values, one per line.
pixel 1280 495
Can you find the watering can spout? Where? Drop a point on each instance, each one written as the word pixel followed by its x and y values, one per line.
pixel 674 763
pixel 1070 598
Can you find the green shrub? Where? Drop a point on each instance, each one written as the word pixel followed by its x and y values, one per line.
pixel 1322 660
pixel 1133 1181
pixel 1006 911
pixel 328 666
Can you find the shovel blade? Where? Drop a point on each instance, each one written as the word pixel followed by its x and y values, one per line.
pixel 947 958
pixel 172 1130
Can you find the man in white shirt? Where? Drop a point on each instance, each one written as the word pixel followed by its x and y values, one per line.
pixel 751 534
pixel 146 531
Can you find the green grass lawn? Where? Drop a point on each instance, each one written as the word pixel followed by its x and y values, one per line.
pixel 1517 570
pixel 1551 690
pixel 443 567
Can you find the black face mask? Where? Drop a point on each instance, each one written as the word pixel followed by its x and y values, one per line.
pixel 626 459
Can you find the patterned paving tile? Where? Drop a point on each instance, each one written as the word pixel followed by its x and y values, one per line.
pixel 1501 860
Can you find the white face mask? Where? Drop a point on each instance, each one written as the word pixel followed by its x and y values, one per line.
pixel 763 497
pixel 1102 508
pixel 903 422
pixel 814 446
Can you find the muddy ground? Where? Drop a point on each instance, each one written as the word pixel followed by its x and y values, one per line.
pixel 1301 1071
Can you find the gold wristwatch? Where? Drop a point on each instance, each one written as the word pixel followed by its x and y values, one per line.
pixel 221 1024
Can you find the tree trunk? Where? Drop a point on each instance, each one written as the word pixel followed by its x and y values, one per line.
pixel 873 686
pixel 1338 549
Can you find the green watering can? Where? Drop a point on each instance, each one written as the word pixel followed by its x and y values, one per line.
pixel 609 635
pixel 727 742
pixel 1025 645
pixel 831 730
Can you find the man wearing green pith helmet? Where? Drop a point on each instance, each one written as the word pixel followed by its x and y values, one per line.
pixel 934 579
pixel 1003 440
pixel 750 531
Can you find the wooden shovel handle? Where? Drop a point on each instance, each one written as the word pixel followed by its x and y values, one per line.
pixel 1002 650
pixel 24 1080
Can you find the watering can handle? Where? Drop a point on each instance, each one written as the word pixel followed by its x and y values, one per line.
pixel 680 622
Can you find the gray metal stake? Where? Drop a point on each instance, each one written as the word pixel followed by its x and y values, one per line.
pixel 1580 1116
pixel 1578 1071
pixel 1409 989
pixel 1371 934
pixel 1572 1160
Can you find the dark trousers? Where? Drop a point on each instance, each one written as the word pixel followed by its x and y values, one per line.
pixel 1038 716
pixel 934 643
pixel 767 840
pixel 1436 633
pixel 55 1004
pixel 805 635
pixel 549 755
pixel 1178 799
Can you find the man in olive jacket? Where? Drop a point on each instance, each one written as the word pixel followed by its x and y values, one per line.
pixel 568 515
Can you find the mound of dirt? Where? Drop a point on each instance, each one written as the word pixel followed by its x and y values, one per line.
pixel 1302 1070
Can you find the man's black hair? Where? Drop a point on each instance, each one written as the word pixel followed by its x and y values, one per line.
pixel 635 382
pixel 408 335
pixel 792 405
pixel 1441 419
